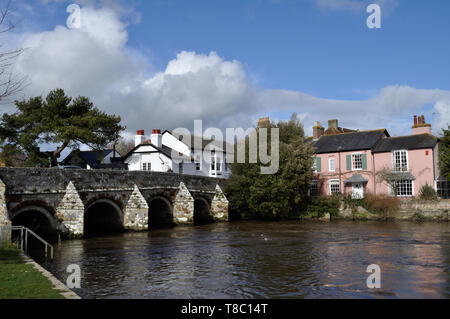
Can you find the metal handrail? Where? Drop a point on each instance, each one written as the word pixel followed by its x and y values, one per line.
pixel 24 231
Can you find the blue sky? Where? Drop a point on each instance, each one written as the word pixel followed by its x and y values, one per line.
pixel 290 52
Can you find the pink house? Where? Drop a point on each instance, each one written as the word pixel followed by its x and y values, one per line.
pixel 350 162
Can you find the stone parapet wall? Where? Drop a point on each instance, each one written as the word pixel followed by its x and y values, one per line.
pixel 411 210
pixel 41 180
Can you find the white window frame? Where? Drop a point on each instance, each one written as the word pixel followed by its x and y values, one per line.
pixel 314 167
pixel 218 164
pixel 353 162
pixel 332 160
pixel 213 166
pixel 391 190
pixel 146 166
pixel 334 182
pixel 393 160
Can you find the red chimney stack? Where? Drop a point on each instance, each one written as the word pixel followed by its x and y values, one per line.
pixel 156 131
pixel 140 132
pixel 415 119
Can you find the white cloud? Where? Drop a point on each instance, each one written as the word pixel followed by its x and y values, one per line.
pixel 95 61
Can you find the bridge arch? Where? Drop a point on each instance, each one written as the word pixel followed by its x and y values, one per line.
pixel 202 211
pixel 36 217
pixel 103 216
pixel 160 213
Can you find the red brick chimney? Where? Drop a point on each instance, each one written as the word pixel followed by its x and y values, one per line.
pixel 318 130
pixel 420 126
pixel 139 138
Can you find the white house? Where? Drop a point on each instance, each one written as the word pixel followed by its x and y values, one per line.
pixel 167 153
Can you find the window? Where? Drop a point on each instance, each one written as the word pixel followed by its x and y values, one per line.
pixel 335 187
pixel 317 165
pixel 332 165
pixel 219 165
pixel 146 166
pixel 443 189
pixel 180 168
pixel 213 163
pixel 404 188
pixel 314 188
pixel 357 162
pixel 197 166
pixel 399 161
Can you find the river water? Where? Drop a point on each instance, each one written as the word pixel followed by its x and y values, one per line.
pixel 263 260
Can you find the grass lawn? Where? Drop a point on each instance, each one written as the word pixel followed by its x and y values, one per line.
pixel 19 280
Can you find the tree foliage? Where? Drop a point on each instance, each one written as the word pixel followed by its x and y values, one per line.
pixel 57 120
pixel 444 154
pixel 277 196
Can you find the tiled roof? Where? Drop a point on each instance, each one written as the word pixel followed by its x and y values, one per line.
pixel 89 157
pixel 410 142
pixel 349 141
pixel 206 144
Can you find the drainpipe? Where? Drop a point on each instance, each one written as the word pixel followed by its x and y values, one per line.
pixel 374 177
pixel 340 181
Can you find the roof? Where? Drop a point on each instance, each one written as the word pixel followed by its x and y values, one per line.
pixel 356 178
pixel 89 157
pixel 410 142
pixel 354 141
pixel 165 150
pixel 205 143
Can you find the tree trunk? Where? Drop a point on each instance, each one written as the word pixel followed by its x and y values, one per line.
pixel 55 154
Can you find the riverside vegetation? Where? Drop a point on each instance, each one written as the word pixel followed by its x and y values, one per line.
pixel 284 195
pixel 19 280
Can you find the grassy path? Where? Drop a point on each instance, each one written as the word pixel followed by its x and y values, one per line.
pixel 19 280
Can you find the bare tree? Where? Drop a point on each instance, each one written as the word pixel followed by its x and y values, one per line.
pixel 392 178
pixel 122 146
pixel 9 83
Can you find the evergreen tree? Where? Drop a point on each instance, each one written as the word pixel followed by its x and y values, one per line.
pixel 444 153
pixel 278 196
pixel 56 120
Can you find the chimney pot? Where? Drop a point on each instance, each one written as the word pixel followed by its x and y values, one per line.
pixel 415 119
pixel 318 130
pixel 333 124
pixel 423 119
pixel 156 138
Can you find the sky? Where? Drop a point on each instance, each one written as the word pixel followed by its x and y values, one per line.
pixel 165 63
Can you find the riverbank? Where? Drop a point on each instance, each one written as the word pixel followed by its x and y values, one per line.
pixel 22 278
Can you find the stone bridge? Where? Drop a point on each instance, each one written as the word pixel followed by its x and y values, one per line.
pixel 87 201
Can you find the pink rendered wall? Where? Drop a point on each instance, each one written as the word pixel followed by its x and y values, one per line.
pixel 421 130
pixel 420 165
pixel 343 174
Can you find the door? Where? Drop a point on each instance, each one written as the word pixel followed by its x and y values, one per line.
pixel 357 190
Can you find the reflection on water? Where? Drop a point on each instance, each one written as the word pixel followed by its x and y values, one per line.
pixel 264 260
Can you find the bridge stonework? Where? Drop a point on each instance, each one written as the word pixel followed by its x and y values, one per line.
pixel 65 196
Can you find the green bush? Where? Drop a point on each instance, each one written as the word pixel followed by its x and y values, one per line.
pixel 319 206
pixel 427 193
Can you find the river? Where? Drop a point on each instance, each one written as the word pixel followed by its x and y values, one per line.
pixel 263 260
